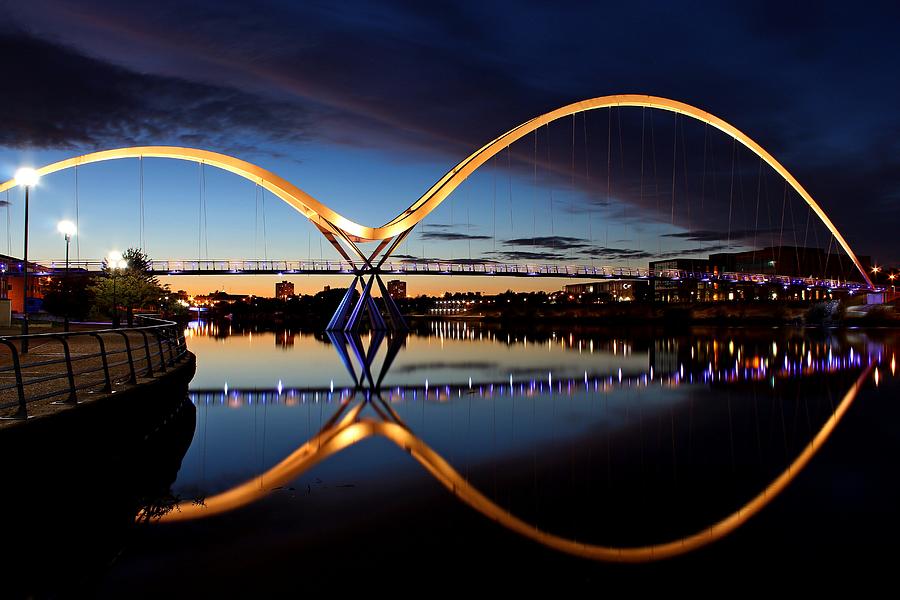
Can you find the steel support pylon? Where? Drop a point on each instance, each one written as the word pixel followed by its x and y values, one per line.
pixel 358 304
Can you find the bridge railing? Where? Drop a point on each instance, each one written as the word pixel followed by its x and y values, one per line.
pixel 62 366
pixel 436 267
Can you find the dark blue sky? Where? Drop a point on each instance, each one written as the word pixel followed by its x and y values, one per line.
pixel 365 104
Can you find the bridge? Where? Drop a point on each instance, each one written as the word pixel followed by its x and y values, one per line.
pixel 56 267
pixel 367 265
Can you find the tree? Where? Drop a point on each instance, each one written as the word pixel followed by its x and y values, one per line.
pixel 68 294
pixel 132 286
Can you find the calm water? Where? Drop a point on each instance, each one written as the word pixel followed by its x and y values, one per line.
pixel 526 455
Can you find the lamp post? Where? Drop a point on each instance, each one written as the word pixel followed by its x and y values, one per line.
pixel 27 178
pixel 67 228
pixel 114 262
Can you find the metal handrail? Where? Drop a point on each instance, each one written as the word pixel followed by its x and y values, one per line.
pixel 170 347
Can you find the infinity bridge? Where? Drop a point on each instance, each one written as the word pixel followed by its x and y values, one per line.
pixel 346 235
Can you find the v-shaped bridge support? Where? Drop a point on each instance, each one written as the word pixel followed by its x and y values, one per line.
pixel 358 303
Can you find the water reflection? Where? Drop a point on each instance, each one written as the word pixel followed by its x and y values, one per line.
pixel 368 408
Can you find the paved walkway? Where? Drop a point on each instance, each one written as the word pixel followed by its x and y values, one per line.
pixel 45 374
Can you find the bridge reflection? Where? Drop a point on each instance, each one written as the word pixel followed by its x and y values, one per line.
pixel 670 364
pixel 367 410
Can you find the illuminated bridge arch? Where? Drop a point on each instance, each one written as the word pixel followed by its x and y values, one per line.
pixel 338 228
pixel 453 178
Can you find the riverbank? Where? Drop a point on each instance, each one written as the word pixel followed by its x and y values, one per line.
pixel 679 314
pixel 77 477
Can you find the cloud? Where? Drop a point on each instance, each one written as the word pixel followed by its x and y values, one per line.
pixel 616 253
pixel 531 256
pixel 708 235
pixel 555 242
pixel 453 261
pixel 451 236
pixel 64 99
pixel 692 251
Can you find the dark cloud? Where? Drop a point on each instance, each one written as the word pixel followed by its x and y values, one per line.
pixel 514 255
pixel 451 236
pixel 693 251
pixel 555 242
pixel 63 99
pixel 616 253
pixel 453 261
pixel 707 235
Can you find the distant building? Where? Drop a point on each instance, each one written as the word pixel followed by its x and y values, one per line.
pixel 396 289
pixel 11 281
pixel 795 261
pixel 284 290
pixel 616 291
pixel 679 267
pixel 214 298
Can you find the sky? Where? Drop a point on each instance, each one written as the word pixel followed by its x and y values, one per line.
pixel 364 105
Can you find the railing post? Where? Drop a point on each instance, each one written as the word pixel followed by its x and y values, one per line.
pixel 149 371
pixel 107 380
pixel 162 356
pixel 70 374
pixel 133 376
pixel 170 341
pixel 22 413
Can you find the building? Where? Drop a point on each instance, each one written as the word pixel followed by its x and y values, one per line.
pixel 679 267
pixel 213 298
pixel 11 282
pixel 284 290
pixel 396 289
pixel 618 290
pixel 795 261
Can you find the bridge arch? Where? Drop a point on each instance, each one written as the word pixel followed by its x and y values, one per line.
pixel 304 203
pixel 455 176
pixel 333 223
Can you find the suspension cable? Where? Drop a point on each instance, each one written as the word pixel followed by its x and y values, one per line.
pixel 549 170
pixel 641 185
pixel 494 204
pixel 265 238
pixel 756 220
pixel 587 179
pixel 77 224
pixel 703 181
pixel 622 174
pixel 731 194
pixel 8 240
pixel 534 195
pixel 608 173
pixel 655 178
pixel 143 239
pixel 686 192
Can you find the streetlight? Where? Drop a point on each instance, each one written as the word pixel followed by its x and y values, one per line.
pixel 26 177
pixel 892 277
pixel 67 228
pixel 114 262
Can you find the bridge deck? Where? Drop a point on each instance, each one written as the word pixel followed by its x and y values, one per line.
pixel 439 268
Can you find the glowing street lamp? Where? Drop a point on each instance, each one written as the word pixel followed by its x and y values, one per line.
pixel 68 229
pixel 114 262
pixel 892 277
pixel 27 178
